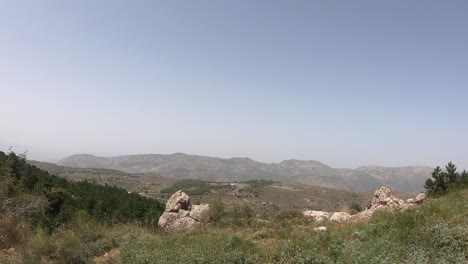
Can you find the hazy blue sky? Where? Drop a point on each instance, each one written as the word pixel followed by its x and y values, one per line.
pixel 348 83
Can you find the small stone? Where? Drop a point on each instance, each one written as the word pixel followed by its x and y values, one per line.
pixel 321 228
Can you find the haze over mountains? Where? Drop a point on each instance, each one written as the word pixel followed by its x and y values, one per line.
pixel 183 166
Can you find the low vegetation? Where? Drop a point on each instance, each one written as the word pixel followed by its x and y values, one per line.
pixel 434 232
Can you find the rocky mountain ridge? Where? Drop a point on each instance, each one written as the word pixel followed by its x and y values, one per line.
pixel 183 166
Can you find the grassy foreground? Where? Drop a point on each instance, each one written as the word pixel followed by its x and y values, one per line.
pixel 435 232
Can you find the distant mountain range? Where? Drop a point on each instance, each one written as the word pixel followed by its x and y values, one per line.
pixel 183 166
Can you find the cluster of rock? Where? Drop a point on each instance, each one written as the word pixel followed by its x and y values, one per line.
pixel 181 215
pixel 321 216
pixel 382 200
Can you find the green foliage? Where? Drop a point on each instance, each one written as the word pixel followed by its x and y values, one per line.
pixel 464 178
pixel 217 211
pixel 443 181
pixel 189 248
pixel 239 215
pixel 83 239
pixel 15 206
pixel 288 218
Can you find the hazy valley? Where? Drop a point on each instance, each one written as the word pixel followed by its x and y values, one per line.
pixel 267 198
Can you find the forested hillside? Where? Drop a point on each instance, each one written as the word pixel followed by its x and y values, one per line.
pixel 34 197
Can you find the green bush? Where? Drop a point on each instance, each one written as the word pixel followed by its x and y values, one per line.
pixel 217 211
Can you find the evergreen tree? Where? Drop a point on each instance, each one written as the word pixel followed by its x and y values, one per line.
pixel 464 179
pixel 442 181
pixel 437 185
pixel 452 174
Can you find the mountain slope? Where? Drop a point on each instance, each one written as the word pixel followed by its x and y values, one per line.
pixel 146 184
pixel 183 166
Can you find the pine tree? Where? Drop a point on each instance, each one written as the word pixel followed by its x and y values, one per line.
pixel 464 179
pixel 452 174
pixel 442 181
pixel 439 183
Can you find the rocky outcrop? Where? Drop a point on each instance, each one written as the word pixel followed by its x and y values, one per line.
pixel 340 217
pixel 317 216
pixel 179 215
pixel 383 199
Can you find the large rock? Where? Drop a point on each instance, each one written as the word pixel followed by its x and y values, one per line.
pixel 200 213
pixel 317 216
pixel 180 215
pixel 178 200
pixel 420 197
pixel 364 215
pixel 340 217
pixel 171 222
pixel 383 198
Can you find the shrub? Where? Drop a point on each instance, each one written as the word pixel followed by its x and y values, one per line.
pixel 239 215
pixel 289 214
pixel 217 211
pixel 356 207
